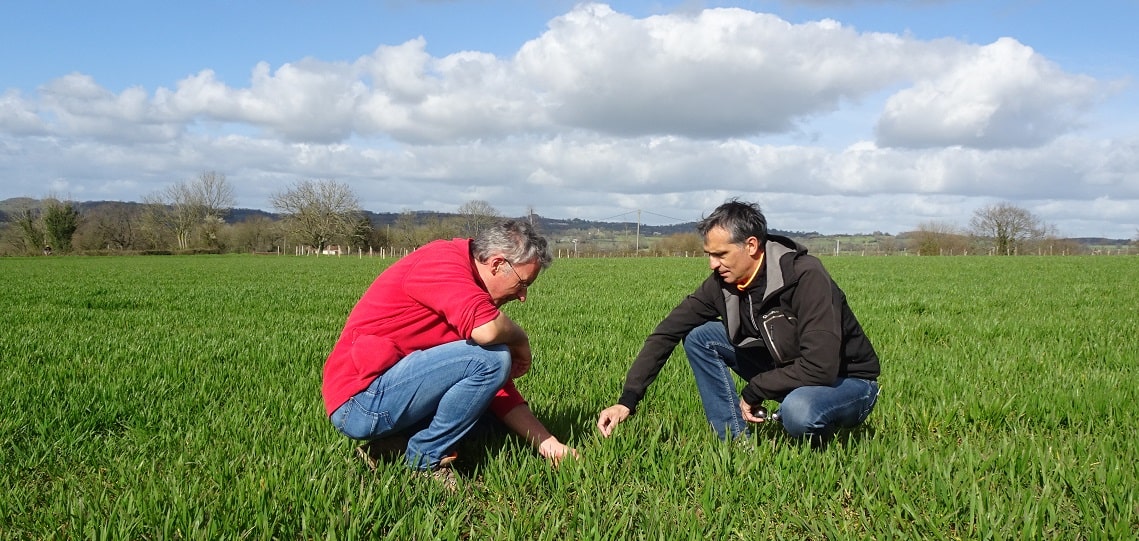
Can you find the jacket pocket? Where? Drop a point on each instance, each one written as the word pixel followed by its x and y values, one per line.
pixel 781 332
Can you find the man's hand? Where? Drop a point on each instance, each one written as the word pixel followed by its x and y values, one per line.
pixel 555 451
pixel 748 413
pixel 610 417
pixel 520 359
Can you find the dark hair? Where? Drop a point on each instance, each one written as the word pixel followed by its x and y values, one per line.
pixel 740 219
pixel 516 240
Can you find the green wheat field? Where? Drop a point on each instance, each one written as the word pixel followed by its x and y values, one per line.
pixel 179 398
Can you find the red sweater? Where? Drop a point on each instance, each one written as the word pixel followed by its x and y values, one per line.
pixel 430 297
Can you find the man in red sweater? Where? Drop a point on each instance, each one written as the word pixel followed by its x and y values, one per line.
pixel 426 351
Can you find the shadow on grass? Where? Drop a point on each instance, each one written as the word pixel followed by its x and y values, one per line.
pixel 843 437
pixel 488 438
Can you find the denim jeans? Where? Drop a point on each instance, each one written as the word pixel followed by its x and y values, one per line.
pixel 447 388
pixel 812 412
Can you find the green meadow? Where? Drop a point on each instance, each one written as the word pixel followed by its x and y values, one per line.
pixel 179 398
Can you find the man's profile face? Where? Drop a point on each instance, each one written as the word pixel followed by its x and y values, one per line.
pixel 511 281
pixel 734 262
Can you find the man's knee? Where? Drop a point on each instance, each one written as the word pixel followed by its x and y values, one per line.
pixel 799 417
pixel 495 362
pixel 704 336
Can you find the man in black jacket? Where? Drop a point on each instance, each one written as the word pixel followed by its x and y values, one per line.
pixel 770 313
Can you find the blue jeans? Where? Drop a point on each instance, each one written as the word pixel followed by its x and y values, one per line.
pixel 812 412
pixel 447 387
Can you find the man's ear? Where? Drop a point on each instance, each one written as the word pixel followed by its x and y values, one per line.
pixel 495 263
pixel 753 246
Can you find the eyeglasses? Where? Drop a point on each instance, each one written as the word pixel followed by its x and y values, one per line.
pixel 523 284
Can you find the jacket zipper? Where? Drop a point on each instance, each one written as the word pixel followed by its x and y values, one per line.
pixel 764 332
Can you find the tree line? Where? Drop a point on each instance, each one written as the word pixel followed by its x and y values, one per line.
pixel 192 217
pixel 317 216
pixel 996 229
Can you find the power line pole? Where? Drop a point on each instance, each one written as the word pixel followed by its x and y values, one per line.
pixel 638 250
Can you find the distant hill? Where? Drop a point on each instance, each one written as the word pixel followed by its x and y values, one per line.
pixel 9 207
pixel 1100 241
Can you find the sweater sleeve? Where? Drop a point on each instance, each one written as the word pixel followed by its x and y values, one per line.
pixel 506 399
pixel 695 310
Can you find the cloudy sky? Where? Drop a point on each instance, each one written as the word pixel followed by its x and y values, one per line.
pixel 839 116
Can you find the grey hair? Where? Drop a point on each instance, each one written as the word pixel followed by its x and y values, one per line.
pixel 515 240
pixel 739 218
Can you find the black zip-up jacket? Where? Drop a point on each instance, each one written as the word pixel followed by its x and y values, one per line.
pixel 796 315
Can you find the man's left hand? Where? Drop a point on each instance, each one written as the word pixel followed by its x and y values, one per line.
pixel 556 451
pixel 520 359
pixel 748 413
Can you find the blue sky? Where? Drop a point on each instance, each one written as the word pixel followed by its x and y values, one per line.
pixel 839 116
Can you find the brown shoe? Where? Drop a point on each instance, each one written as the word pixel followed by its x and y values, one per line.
pixel 443 473
pixel 446 461
pixel 389 448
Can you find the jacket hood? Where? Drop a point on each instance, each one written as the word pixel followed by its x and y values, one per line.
pixel 783 252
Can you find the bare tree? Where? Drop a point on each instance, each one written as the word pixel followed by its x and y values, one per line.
pixel 319 211
pixel 887 244
pixel 1049 242
pixel 939 238
pixel 1005 227
pixel 256 234
pixel 10 242
pixel 408 234
pixel 676 244
pixel 214 193
pixel 477 215
pixel 156 224
pixel 184 207
pixel 184 212
pixel 110 226
pixel 439 228
pixel 380 237
pixel 215 198
pixel 31 237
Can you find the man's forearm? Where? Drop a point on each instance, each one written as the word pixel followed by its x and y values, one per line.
pixel 500 330
pixel 522 421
